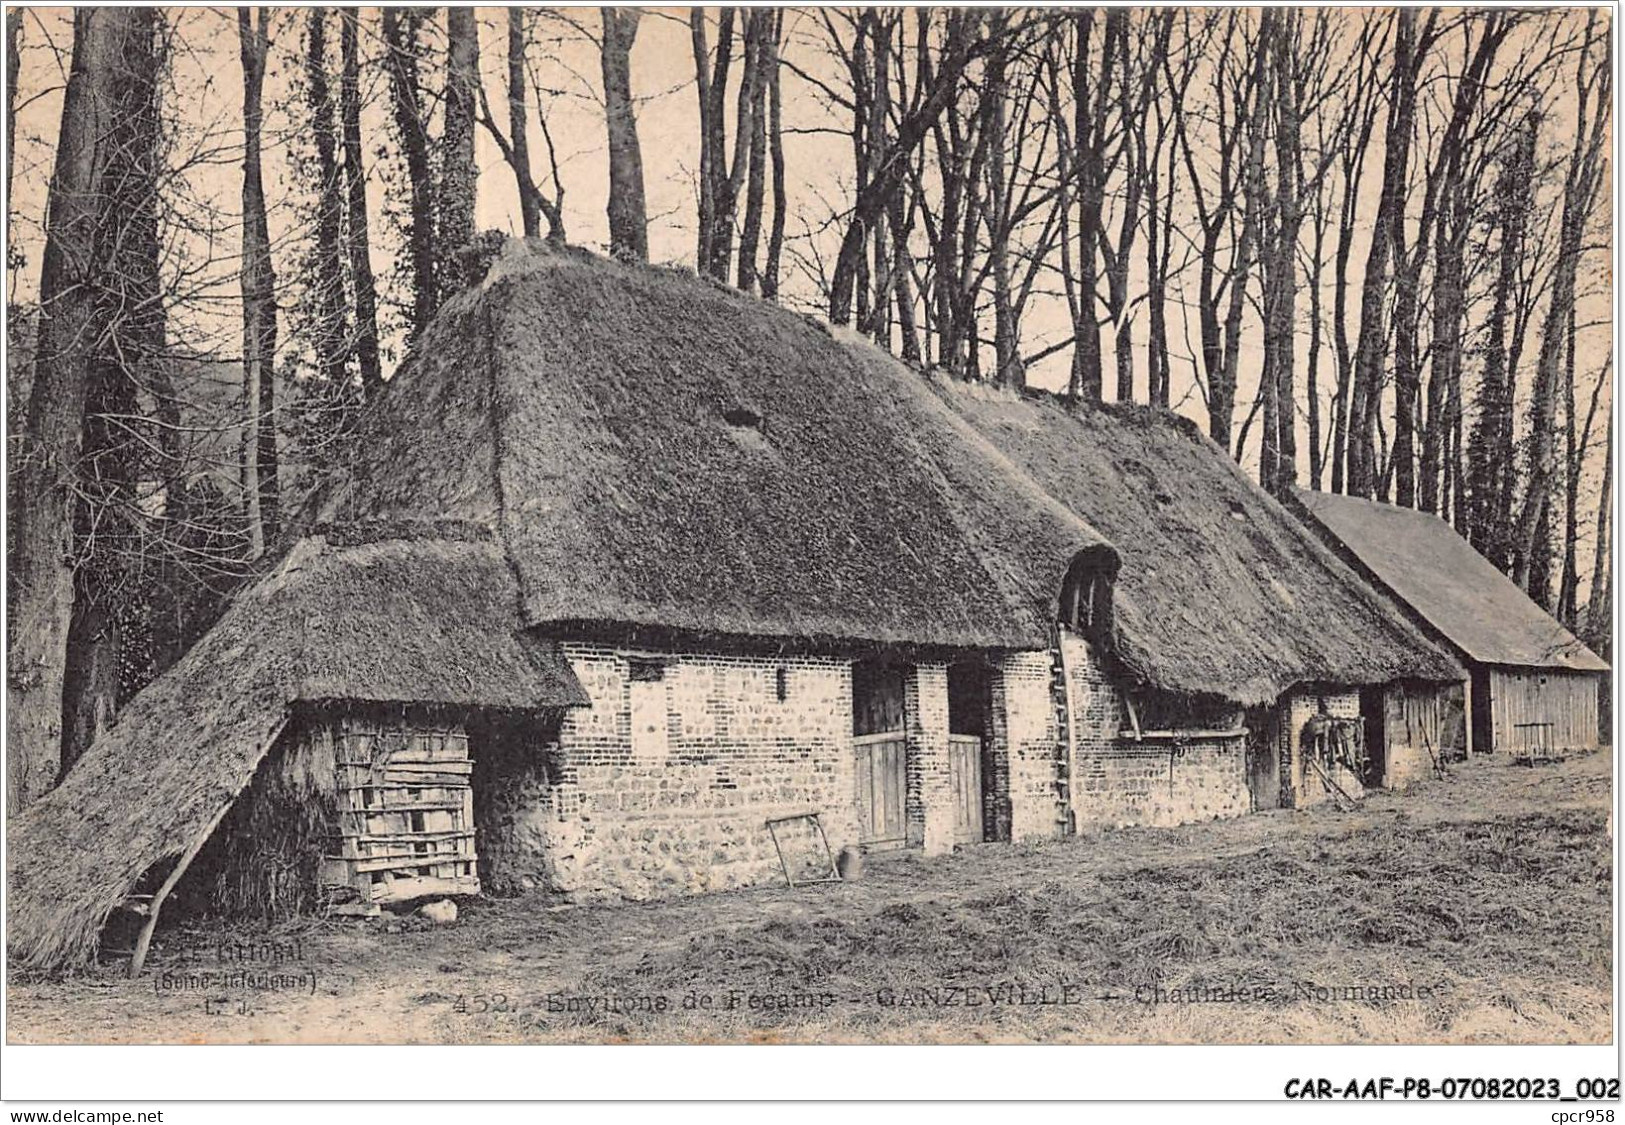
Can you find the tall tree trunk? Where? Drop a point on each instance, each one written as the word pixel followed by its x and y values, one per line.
pixel 1407 368
pixel 1317 265
pixel 1568 587
pixel 996 92
pixel 1222 383
pixel 1586 167
pixel 530 211
pixel 355 191
pixel 327 299
pixel 1490 443
pixel 258 282
pixel 459 175
pixel 775 148
pixel 14 34
pixel 1087 379
pixel 402 44
pixel 1388 231
pixel 1449 312
pixel 750 233
pixel 1600 604
pixel 628 216
pixel 130 354
pixel 70 324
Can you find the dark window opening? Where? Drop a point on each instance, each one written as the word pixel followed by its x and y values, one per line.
pixel 643 670
pixel 1086 595
pixel 877 697
pixel 968 698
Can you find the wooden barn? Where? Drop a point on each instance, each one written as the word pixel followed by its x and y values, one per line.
pixel 637 585
pixel 1534 688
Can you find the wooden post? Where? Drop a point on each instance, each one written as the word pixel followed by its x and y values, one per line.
pixel 144 942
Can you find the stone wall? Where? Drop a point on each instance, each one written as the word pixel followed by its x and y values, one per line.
pixel 666 781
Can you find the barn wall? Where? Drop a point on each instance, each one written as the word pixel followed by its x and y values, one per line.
pixel 1567 700
pixel 1118 782
pixel 1422 722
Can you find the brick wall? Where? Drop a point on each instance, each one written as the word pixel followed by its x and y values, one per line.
pixel 1301 786
pixel 1024 704
pixel 646 807
pixel 930 791
pixel 1117 781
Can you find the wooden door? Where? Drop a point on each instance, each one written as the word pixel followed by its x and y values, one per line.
pixel 965 771
pixel 882 785
pixel 1263 759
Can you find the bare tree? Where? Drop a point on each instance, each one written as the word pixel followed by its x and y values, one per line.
pixel 258 283
pixel 326 299
pixel 628 214
pixel 534 204
pixel 1359 109
pixel 358 239
pixel 1491 474
pixel 1410 51
pixel 105 44
pixel 454 220
pixel 1586 167
pixel 14 33
pixel 402 46
pixel 775 148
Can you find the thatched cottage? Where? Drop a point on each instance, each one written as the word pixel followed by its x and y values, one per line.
pixel 1534 687
pixel 629 568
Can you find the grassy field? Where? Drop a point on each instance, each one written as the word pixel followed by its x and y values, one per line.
pixel 1473 909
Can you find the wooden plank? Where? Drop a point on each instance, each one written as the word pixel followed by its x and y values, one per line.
pixel 143 943
pixel 397 890
pixel 454 834
pixel 407 807
pixel 410 862
pixel 395 764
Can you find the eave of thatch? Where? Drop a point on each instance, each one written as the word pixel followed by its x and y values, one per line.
pixel 664 452
pixel 407 621
pixel 1220 591
pixel 1421 560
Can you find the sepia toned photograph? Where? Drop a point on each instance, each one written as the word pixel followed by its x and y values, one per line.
pixel 937 525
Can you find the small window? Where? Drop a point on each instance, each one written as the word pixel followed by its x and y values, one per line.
pixel 643 670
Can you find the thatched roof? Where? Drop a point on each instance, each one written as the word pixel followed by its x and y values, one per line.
pixel 662 451
pixel 1457 591
pixel 1221 591
pixel 420 620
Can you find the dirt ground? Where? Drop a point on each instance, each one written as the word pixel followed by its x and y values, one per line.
pixel 1470 909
